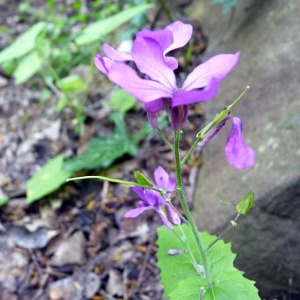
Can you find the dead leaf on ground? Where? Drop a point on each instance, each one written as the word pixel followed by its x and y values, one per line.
pixel 70 251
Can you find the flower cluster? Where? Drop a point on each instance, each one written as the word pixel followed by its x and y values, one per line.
pixel 151 199
pixel 159 90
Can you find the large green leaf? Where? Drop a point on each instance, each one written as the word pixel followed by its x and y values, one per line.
pixel 182 282
pixel 27 67
pixel 47 180
pixel 23 44
pixel 98 29
pixel 103 151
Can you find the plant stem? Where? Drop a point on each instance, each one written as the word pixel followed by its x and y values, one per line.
pixel 186 209
pixel 165 139
pixel 222 115
pixel 90 76
pixel 52 71
pixel 115 180
pixel 166 10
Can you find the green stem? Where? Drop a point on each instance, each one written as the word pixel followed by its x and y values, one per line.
pixel 222 115
pixel 52 71
pixel 186 243
pixel 186 208
pixel 90 76
pixel 231 17
pixel 115 180
pixel 166 10
pixel 165 139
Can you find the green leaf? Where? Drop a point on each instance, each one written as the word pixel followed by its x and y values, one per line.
pixel 96 30
pixel 71 83
pixel 142 179
pixel 23 44
pixel 245 204
pixel 189 289
pixel 61 104
pixel 181 280
pixel 3 200
pixel 8 67
pixel 27 67
pixel 43 47
pixel 45 94
pixel 103 151
pixel 47 180
pixel 122 101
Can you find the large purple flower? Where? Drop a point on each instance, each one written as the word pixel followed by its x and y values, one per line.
pixel 151 199
pixel 160 91
pixel 239 155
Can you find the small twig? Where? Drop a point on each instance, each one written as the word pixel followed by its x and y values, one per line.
pixel 36 263
pixel 229 227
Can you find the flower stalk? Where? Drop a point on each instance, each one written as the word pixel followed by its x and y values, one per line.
pixel 186 209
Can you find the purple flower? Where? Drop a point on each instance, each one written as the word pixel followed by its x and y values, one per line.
pixel 174 36
pixel 159 90
pixel 151 199
pixel 238 153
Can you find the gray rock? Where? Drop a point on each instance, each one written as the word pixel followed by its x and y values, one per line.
pixel 266 239
pixel 3 81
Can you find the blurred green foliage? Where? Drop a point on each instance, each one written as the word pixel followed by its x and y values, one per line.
pixel 61 37
pixel 227 4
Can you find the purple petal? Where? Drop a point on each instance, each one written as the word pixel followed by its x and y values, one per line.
pixel 115 54
pixel 153 119
pixel 163 37
pixel 216 67
pixel 181 35
pixel 148 56
pixel 164 219
pixel 171 62
pixel 103 63
pixel 144 90
pixel 154 106
pixel 212 133
pixel 172 215
pixel 187 97
pixel 165 40
pixel 163 180
pixel 238 153
pixel 149 197
pixel 140 192
pixel 133 213
pixel 175 251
